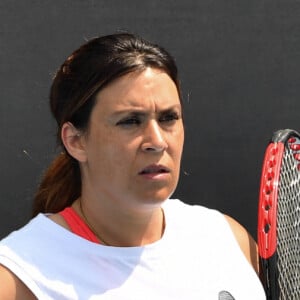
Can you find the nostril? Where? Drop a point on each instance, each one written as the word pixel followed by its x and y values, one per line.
pixel 153 148
pixel 150 149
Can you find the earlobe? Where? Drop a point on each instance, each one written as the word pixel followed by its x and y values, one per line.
pixel 73 141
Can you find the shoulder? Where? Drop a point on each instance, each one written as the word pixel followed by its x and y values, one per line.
pixel 178 206
pixel 210 218
pixel 195 214
pixel 245 241
pixel 37 230
pixel 12 288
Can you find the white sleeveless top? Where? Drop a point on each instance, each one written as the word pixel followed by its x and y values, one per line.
pixel 197 258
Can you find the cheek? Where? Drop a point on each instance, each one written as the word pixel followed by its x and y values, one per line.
pixel 107 164
pixel 116 155
pixel 100 149
pixel 177 143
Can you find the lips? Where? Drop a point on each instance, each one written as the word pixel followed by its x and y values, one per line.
pixel 154 169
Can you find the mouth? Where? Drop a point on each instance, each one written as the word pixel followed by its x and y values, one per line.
pixel 154 169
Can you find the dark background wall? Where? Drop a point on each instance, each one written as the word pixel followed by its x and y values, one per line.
pixel 240 69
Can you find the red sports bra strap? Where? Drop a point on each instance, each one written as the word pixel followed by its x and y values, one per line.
pixel 77 225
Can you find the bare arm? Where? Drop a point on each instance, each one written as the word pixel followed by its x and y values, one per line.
pixel 12 288
pixel 246 242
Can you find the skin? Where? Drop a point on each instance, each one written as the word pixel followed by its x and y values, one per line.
pixel 12 288
pixel 135 126
pixel 246 242
pixel 135 130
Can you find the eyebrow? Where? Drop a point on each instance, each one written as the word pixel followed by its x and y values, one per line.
pixel 142 112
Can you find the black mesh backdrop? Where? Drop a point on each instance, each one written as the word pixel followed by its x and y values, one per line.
pixel 239 66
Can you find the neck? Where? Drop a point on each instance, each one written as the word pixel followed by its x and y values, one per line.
pixel 122 229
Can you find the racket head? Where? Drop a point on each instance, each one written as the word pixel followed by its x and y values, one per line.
pixel 278 224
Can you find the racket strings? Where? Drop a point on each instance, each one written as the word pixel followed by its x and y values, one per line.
pixel 288 227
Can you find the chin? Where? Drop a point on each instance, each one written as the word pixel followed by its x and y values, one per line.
pixel 157 197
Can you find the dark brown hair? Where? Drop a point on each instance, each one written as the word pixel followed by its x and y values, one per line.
pixel 72 97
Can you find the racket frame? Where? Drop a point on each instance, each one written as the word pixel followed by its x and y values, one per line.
pixel 267 210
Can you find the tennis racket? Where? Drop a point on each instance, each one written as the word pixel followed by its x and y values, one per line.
pixel 279 217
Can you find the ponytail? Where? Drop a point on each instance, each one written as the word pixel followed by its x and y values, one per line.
pixel 60 186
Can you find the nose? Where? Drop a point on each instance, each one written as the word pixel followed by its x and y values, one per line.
pixel 154 140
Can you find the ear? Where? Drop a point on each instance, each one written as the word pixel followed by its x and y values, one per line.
pixel 73 141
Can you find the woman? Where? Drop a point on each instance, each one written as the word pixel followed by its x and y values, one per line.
pixel 104 226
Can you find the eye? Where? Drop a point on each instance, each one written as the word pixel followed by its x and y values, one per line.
pixel 129 121
pixel 169 117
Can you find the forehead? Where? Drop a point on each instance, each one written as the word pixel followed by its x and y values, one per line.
pixel 141 89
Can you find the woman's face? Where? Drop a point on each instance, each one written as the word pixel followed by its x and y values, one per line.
pixel 134 142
